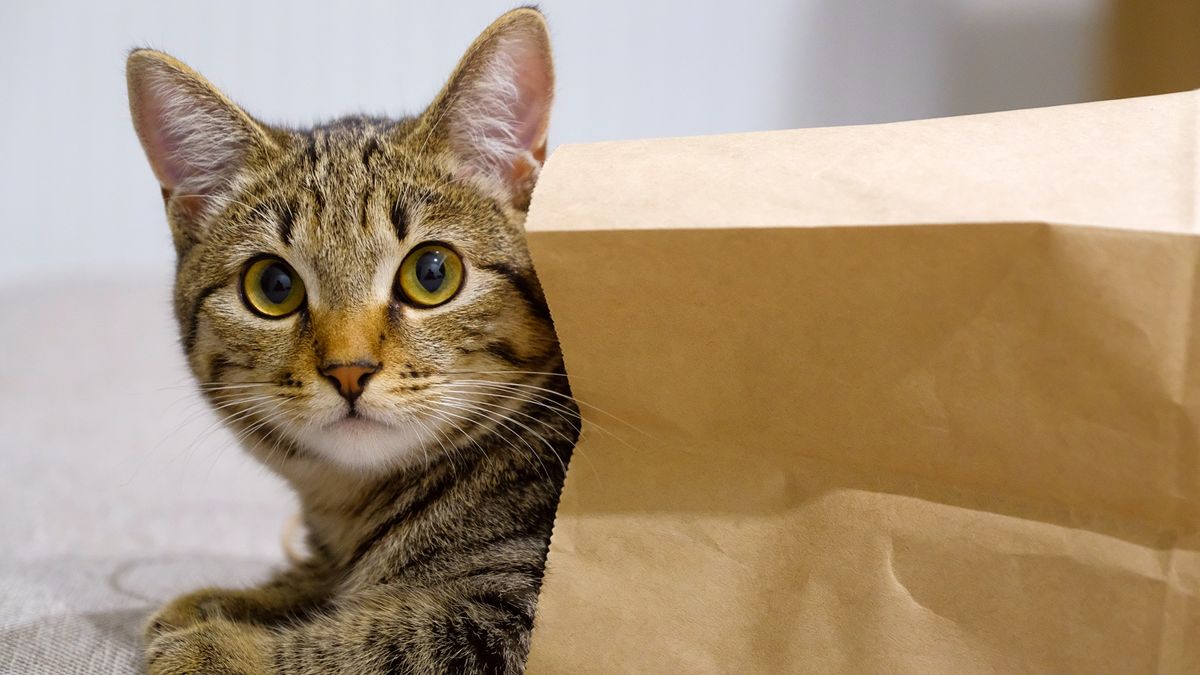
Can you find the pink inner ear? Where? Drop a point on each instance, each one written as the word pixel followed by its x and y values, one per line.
pixel 164 152
pixel 534 92
pixel 192 139
pixel 499 121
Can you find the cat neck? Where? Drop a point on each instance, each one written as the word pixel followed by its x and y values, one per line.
pixel 336 502
pixel 343 508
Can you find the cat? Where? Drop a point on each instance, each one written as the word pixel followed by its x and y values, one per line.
pixel 357 303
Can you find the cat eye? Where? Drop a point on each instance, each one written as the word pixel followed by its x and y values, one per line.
pixel 271 288
pixel 430 275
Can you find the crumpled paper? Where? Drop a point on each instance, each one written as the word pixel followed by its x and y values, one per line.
pixel 907 398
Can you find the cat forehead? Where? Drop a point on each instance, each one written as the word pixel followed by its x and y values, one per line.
pixel 345 228
pixel 348 244
pixel 339 172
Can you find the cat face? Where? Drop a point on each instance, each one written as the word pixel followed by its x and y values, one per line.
pixel 357 291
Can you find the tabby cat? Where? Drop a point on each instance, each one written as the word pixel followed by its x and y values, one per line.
pixel 357 303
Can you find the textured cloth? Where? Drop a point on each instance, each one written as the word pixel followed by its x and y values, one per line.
pixel 117 489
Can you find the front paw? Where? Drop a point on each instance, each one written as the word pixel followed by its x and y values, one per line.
pixel 187 611
pixel 216 646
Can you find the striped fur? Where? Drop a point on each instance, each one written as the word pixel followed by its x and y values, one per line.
pixel 428 515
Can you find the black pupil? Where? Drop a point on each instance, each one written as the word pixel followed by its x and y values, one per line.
pixel 276 283
pixel 431 270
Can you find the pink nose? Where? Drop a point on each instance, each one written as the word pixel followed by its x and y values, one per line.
pixel 350 378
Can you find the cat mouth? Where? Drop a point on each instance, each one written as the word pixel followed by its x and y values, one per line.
pixel 355 421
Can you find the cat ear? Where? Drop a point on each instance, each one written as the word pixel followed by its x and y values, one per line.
pixel 494 112
pixel 196 139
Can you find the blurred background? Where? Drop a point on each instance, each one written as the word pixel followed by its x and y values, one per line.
pixel 76 191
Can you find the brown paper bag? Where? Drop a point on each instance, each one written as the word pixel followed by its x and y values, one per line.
pixel 910 398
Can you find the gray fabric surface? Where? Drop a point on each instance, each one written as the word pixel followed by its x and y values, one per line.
pixel 117 492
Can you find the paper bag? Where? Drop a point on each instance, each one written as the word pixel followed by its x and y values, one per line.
pixel 909 398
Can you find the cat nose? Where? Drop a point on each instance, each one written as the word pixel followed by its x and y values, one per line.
pixel 350 378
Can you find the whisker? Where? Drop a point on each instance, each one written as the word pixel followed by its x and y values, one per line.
pixel 269 413
pixel 556 407
pixel 559 394
pixel 460 430
pixel 438 437
pixel 269 417
pixel 217 425
pixel 501 421
pixel 534 398
pixel 279 437
pixel 501 424
pixel 537 399
pixel 267 436
pixel 424 452
pixel 548 444
pixel 508 409
pixel 207 408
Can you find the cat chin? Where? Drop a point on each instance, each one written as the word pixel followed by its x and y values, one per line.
pixel 363 445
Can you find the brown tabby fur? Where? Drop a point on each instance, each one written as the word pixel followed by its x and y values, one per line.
pixel 426 562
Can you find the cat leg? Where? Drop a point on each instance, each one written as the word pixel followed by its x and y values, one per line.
pixel 217 646
pixel 454 628
pixel 289 595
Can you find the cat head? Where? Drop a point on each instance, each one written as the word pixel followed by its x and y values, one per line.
pixel 353 291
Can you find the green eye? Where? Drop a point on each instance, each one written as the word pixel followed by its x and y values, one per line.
pixel 271 288
pixel 430 275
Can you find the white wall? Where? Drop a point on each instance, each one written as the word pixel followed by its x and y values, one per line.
pixel 75 193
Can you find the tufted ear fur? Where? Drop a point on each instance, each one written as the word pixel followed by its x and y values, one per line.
pixel 196 139
pixel 494 112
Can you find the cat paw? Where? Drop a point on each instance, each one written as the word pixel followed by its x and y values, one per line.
pixel 187 611
pixel 212 647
